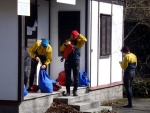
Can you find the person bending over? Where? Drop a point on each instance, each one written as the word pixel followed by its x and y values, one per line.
pixel 40 51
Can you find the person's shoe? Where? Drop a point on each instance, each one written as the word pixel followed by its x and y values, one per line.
pixel 67 94
pixel 29 89
pixel 128 106
pixel 75 93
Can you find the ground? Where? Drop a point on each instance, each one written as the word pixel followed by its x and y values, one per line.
pixel 139 106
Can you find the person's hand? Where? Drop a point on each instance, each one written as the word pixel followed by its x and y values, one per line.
pixel 62 59
pixel 67 43
pixel 37 59
pixel 43 66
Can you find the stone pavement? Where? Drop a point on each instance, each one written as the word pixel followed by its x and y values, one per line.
pixel 139 106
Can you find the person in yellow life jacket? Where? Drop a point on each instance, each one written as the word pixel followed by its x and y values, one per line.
pixel 73 60
pixel 129 65
pixel 40 51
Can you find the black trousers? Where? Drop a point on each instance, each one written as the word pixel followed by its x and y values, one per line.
pixel 26 75
pixel 75 66
pixel 128 80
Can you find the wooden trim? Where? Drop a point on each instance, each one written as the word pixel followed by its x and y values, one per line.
pixel 49 28
pixel 19 54
pixel 98 43
pixel 106 86
pixel 86 34
pixel 21 50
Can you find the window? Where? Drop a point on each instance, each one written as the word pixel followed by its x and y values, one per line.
pixel 105 35
pixel 67 21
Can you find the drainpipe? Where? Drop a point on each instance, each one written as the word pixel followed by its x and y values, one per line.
pixel 49 28
pixel 111 41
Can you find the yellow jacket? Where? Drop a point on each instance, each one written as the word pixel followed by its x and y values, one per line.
pixel 45 51
pixel 128 58
pixel 80 42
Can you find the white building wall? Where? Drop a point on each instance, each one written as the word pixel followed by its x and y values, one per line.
pixel 8 50
pixel 43 19
pixel 105 8
pixel 106 70
pixel 117 37
pixel 104 63
pixel 56 66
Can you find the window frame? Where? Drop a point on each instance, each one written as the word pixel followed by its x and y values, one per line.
pixel 67 21
pixel 105 35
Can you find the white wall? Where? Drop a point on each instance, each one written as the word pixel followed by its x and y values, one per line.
pixel 105 70
pixel 104 63
pixel 57 66
pixel 8 50
pixel 117 34
pixel 43 19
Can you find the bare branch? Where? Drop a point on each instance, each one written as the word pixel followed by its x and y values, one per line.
pixel 131 31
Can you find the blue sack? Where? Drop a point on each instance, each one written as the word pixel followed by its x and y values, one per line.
pixel 83 79
pixel 25 91
pixel 45 82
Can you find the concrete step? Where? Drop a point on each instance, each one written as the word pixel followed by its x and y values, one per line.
pixel 80 90
pixel 97 109
pixel 80 106
pixel 72 99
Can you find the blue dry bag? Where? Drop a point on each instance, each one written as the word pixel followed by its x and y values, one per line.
pixel 25 91
pixel 83 79
pixel 45 82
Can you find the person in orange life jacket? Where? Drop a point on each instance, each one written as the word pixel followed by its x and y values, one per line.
pixel 73 60
pixel 40 51
pixel 129 65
